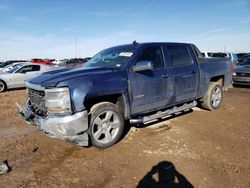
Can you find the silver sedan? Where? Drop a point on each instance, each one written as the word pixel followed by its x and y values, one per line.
pixel 15 77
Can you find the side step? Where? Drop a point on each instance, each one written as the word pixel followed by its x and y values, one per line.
pixel 161 114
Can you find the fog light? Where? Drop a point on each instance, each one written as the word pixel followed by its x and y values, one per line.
pixel 65 130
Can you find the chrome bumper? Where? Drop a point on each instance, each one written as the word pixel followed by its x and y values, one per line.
pixel 241 80
pixel 71 128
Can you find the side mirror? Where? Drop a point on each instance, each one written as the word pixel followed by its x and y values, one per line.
pixel 143 66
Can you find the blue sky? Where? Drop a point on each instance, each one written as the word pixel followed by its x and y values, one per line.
pixel 49 29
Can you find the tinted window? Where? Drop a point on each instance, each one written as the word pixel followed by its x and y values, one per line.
pixel 219 55
pixel 153 54
pixel 179 55
pixel 209 54
pixel 245 61
pixel 29 68
pixel 35 67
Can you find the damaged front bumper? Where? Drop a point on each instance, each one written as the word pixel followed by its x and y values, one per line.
pixel 71 127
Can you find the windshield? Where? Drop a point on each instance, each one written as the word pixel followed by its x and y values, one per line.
pixel 2 65
pixel 245 61
pixel 113 58
pixel 13 68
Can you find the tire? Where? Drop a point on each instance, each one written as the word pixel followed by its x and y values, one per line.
pixel 2 86
pixel 213 98
pixel 106 124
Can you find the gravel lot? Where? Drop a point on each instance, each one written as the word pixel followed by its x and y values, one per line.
pixel 198 148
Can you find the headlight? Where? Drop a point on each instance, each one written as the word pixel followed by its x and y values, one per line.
pixel 234 74
pixel 57 101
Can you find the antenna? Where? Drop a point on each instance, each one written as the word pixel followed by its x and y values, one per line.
pixel 135 43
pixel 75 47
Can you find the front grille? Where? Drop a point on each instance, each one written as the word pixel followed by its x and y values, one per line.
pixel 243 74
pixel 37 101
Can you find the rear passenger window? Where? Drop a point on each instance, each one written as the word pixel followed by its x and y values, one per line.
pixel 179 55
pixel 35 67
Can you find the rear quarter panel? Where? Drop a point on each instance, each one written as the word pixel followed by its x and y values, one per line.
pixel 214 67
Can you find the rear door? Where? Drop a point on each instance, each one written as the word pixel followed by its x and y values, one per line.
pixel 149 88
pixel 184 72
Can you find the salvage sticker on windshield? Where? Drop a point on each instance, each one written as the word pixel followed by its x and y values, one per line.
pixel 126 54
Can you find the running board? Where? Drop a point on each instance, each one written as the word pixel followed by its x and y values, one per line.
pixel 161 114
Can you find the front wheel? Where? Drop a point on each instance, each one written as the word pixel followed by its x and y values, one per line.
pixel 106 124
pixel 213 98
pixel 2 86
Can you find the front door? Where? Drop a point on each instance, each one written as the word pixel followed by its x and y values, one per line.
pixel 24 73
pixel 149 87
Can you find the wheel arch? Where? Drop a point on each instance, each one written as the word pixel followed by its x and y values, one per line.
pixel 5 83
pixel 118 99
pixel 219 79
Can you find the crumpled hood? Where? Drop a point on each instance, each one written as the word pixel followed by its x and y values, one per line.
pixel 52 78
pixel 242 68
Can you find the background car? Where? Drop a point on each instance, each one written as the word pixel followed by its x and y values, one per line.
pixel 16 77
pixel 41 61
pixel 207 54
pixel 241 75
pixel 12 66
pixel 6 63
pixel 75 62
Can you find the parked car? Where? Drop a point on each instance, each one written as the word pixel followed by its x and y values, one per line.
pixel 134 82
pixel 6 63
pixel 75 62
pixel 207 54
pixel 241 75
pixel 16 77
pixel 12 66
pixel 219 54
pixel 241 55
pixel 232 56
pixel 42 61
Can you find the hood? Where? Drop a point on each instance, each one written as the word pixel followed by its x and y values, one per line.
pixel 3 73
pixel 242 68
pixel 52 78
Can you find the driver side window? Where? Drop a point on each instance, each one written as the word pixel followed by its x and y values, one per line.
pixel 153 54
pixel 29 68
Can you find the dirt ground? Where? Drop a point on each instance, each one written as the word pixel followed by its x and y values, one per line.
pixel 198 148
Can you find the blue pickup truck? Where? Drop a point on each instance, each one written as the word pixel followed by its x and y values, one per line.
pixel 135 83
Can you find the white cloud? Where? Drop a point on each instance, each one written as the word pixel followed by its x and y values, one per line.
pixel 231 42
pixel 20 46
pixel 149 5
pixel 238 3
pixel 4 7
pixel 247 20
pixel 22 19
pixel 113 13
pixel 207 33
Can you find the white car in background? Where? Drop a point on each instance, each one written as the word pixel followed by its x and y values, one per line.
pixel 207 54
pixel 12 66
pixel 16 77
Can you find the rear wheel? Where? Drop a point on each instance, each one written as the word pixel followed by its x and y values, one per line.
pixel 2 86
pixel 213 98
pixel 106 124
